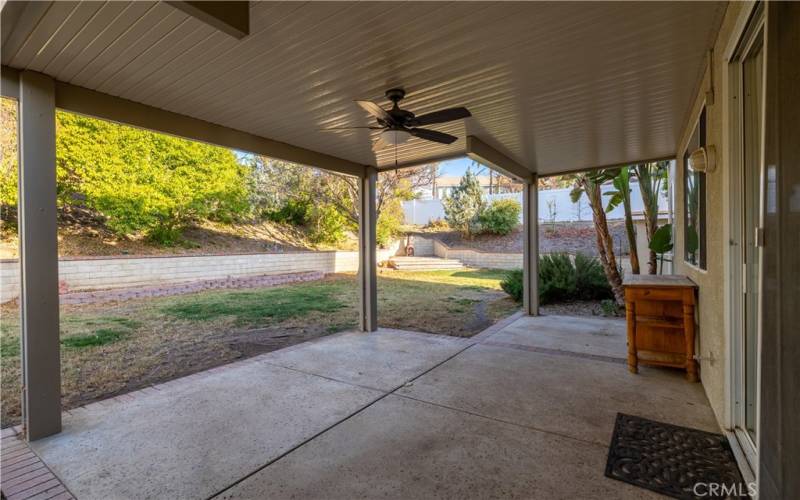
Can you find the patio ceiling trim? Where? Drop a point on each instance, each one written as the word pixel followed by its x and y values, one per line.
pixel 231 17
pixel 97 104
pixel 487 155
pixel 9 83
pixel 613 165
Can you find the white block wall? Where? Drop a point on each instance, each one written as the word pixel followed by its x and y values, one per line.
pixel 105 273
pixel 473 258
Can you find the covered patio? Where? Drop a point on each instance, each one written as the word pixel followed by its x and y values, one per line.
pixel 520 411
pixel 356 415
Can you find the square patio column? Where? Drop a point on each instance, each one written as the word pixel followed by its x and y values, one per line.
pixel 530 246
pixel 41 363
pixel 367 242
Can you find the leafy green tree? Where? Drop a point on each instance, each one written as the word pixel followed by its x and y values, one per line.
pixel 281 188
pixel 465 204
pixel 141 181
pixel 145 182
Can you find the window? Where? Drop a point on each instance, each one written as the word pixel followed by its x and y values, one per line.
pixel 694 200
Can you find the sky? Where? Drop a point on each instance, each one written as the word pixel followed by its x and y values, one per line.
pixel 457 167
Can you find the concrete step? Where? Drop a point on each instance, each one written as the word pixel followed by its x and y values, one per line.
pixel 423 263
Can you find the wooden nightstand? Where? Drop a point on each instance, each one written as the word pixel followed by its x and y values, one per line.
pixel 660 314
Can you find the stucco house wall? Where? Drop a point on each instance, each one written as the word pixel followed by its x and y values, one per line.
pixel 713 343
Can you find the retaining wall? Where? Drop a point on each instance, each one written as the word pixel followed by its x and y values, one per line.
pixel 123 272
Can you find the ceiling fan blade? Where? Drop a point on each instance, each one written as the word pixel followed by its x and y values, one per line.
pixel 445 115
pixel 376 111
pixel 334 129
pixel 433 135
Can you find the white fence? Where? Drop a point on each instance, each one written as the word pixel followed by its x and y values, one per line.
pixel 555 205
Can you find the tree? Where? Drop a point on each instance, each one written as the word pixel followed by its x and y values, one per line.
pixel 277 183
pixel 464 204
pixel 588 183
pixel 145 182
pixel 653 178
pixel 621 179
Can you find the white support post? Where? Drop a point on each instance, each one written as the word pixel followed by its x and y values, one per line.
pixel 367 266
pixel 530 255
pixel 41 363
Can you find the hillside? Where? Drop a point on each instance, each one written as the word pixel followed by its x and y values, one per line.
pixel 82 235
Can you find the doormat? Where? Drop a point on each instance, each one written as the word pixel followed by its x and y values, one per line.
pixel 672 460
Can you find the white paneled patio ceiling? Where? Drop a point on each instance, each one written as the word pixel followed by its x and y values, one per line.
pixel 554 86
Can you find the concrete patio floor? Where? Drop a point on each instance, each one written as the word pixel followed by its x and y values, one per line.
pixel 523 411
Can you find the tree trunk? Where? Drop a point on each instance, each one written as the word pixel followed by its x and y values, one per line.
pixel 605 244
pixel 634 252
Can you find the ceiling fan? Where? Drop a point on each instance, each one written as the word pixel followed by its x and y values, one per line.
pixel 399 125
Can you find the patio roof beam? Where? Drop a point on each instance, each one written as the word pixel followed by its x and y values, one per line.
pixel 97 104
pixel 487 155
pixel 9 83
pixel 231 17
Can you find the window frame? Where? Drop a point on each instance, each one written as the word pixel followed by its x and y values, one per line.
pixel 698 258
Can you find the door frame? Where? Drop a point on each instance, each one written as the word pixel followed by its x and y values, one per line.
pixel 751 26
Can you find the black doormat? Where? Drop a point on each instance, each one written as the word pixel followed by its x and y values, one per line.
pixel 672 460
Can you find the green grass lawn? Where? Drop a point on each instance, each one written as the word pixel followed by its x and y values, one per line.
pixel 112 348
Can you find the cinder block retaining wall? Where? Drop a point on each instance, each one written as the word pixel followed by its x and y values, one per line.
pixel 488 260
pixel 123 272
pixel 474 258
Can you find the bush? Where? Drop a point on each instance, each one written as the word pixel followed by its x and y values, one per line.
pixel 557 279
pixel 512 284
pixel 437 225
pixel 590 279
pixel 561 279
pixel 501 217
pixel 295 211
pixel 326 225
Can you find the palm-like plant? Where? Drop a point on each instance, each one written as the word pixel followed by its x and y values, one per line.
pixel 588 183
pixel 621 179
pixel 653 178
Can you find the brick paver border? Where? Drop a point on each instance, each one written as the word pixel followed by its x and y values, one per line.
pixel 23 475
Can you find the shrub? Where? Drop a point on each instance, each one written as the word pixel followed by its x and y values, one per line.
pixel 501 217
pixel 512 284
pixel 557 280
pixel 610 307
pixel 561 278
pixel 326 225
pixel 590 279
pixel 437 225
pixel 294 211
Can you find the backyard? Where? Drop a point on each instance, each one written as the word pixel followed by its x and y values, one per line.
pixel 112 348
